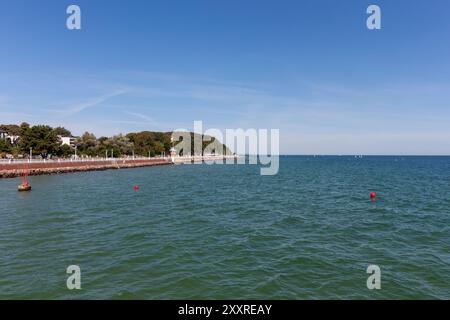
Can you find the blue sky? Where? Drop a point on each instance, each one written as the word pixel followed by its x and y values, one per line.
pixel 309 68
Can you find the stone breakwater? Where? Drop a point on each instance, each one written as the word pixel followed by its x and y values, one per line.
pixel 12 170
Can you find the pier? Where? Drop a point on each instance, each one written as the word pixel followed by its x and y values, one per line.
pixel 11 169
pixel 15 168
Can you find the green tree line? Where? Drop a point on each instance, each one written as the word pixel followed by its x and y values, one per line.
pixel 44 141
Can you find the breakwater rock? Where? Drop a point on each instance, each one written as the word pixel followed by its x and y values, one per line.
pixel 15 169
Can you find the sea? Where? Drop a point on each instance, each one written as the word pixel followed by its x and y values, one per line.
pixel 199 231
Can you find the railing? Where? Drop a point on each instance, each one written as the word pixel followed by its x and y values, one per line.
pixel 84 159
pixel 79 159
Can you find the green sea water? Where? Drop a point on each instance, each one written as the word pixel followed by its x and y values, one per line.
pixel 224 231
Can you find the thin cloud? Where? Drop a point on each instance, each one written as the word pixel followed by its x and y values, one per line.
pixel 139 115
pixel 92 102
pixel 13 115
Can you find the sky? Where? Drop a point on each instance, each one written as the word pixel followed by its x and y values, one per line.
pixel 311 69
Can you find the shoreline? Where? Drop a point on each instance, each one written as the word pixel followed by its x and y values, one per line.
pixel 50 167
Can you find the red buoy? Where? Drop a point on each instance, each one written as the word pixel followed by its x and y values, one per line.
pixel 25 186
pixel 373 195
pixel 136 187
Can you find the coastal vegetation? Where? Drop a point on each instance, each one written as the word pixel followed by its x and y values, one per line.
pixel 45 141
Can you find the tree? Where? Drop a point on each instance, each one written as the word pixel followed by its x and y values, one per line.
pixel 5 146
pixel 120 145
pixel 24 127
pixel 64 151
pixel 102 147
pixel 11 129
pixel 42 139
pixel 146 142
pixel 87 144
pixel 158 147
pixel 63 132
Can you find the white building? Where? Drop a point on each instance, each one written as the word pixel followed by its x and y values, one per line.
pixel 70 141
pixel 4 135
pixel 13 139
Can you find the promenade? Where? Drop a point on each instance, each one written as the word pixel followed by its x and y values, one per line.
pixel 15 168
